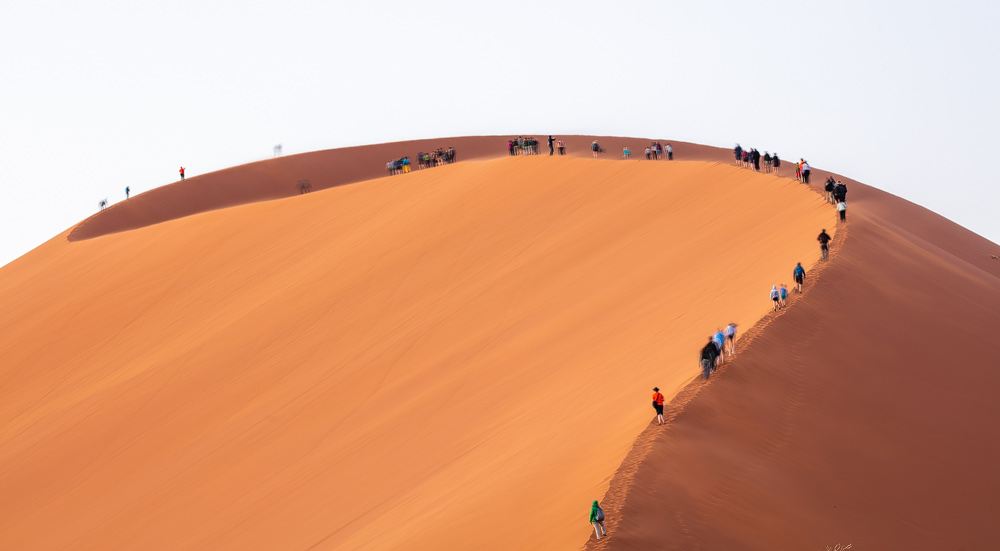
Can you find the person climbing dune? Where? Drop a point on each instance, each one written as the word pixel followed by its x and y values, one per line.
pixel 658 406
pixel 597 519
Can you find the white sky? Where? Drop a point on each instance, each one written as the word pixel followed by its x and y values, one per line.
pixel 100 95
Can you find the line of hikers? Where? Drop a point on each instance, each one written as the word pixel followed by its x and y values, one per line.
pixel 438 157
pixel 720 345
pixel 836 194
pixel 751 158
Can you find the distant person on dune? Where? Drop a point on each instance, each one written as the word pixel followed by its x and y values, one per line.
pixel 767 162
pixel 842 209
pixel 707 357
pixel 597 519
pixel 776 162
pixel 552 143
pixel 649 153
pixel 824 244
pixel 126 191
pixel 755 159
pixel 720 344
pixel 805 172
pixel 784 295
pixel 510 147
pixel 626 153
pixel 595 148
pixel 828 188
pixel 776 297
pixel 562 147
pixel 182 173
pixel 799 275
pixel 730 332
pixel 658 405
pixel 738 153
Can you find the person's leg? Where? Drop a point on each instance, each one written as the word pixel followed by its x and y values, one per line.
pixel 603 529
pixel 597 530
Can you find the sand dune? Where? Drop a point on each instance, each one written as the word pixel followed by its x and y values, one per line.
pixel 405 363
pixel 864 415
pixel 278 178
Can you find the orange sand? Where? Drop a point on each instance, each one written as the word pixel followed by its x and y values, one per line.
pixel 457 358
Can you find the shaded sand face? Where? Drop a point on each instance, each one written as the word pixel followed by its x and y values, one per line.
pixel 452 359
pixel 865 415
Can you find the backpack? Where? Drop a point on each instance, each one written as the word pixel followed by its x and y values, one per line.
pixel 599 515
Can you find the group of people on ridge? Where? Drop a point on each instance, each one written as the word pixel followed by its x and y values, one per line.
pixel 720 345
pixel 751 158
pixel 522 146
pixel 836 194
pixel 802 170
pixel 438 157
pixel 654 151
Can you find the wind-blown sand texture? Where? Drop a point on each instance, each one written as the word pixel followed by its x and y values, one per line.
pixel 461 358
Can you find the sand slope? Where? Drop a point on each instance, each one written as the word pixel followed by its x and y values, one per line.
pixel 401 363
pixel 864 415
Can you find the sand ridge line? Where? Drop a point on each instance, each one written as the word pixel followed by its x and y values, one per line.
pixel 622 481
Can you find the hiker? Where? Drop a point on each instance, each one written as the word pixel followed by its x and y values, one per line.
pixel 182 173
pixel 799 274
pixel 775 297
pixel 738 152
pixel 824 244
pixel 126 192
pixel 658 406
pixel 626 152
pixel 720 344
pixel 776 162
pixel 805 171
pixel 830 184
pixel 767 162
pixel 730 333
pixel 562 147
pixel 552 143
pixel 670 152
pixel 597 519
pixel 649 153
pixel 842 209
pixel 595 148
pixel 784 295
pixel 707 358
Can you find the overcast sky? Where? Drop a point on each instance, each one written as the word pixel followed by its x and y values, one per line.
pixel 100 95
